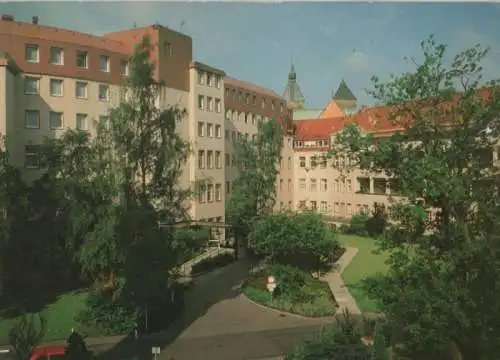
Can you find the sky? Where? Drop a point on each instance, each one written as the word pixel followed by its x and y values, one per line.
pixel 327 41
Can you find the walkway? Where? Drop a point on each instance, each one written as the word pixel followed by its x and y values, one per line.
pixel 337 286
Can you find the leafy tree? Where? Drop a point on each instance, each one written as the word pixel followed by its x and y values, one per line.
pixel 375 225
pixel 357 224
pixel 298 239
pixel 341 342
pixel 26 335
pixel 254 191
pixel 443 268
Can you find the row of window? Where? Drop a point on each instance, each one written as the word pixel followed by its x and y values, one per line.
pixel 210 193
pixel 211 80
pixel 322 161
pixel 56 88
pixel 211 104
pixel 310 143
pixel 32 120
pixel 340 209
pixel 340 185
pixel 236 135
pixel 210 159
pixel 246 117
pixel 209 130
pixel 290 186
pixel 32 54
pixel 251 99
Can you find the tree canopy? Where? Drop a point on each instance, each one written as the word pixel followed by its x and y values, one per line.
pixel 443 239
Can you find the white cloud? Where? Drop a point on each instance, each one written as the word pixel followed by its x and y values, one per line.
pixel 357 61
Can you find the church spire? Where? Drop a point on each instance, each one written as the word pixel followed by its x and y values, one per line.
pixel 292 92
pixel 292 75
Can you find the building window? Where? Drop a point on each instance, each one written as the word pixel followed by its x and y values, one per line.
pixel 104 63
pixel 210 102
pixel 247 99
pixel 322 162
pixel 323 185
pixel 227 159
pixel 289 185
pixel 201 77
pixel 81 121
pixel 218 131
pixel 323 207
pixel 103 92
pixel 302 161
pixel 282 108
pixel 81 90
pixel 246 118
pixel 56 56
pixel 263 103
pixel 349 210
pixel 32 119
pixel 235 115
pixel 312 186
pixel 218 107
pixel 218 159
pixel 202 190
pixel 302 184
pixel 124 68
pixel 218 194
pixel 210 80
pixel 314 163
pixel 272 105
pixel 233 136
pixel 201 102
pixel 314 205
pixel 82 59
pixel 31 85
pixel 31 157
pixel 210 130
pixel 228 187
pixel 56 87
pixel 201 129
pixel 228 114
pixel 201 159
pixel 210 193
pixel 233 95
pixel 289 162
pixel 217 82
pixel 167 47
pixel 226 134
pixel 32 53
pixel 210 159
pixel 55 120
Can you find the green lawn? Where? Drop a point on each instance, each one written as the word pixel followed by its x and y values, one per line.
pixel 59 315
pixel 365 263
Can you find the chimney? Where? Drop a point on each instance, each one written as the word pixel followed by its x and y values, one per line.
pixel 7 17
pixel 34 20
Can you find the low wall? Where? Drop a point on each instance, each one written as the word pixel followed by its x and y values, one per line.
pixel 185 269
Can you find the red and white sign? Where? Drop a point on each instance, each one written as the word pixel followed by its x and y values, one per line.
pixel 271 283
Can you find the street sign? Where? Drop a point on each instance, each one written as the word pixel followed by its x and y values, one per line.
pixel 155 350
pixel 271 284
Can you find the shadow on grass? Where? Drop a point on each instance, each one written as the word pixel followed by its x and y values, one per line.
pixel 208 290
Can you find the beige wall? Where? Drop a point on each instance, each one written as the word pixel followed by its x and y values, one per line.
pixel 208 203
pixel 285 180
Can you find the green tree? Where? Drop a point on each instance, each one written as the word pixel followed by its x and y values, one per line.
pixel 441 285
pixel 298 239
pixel 254 191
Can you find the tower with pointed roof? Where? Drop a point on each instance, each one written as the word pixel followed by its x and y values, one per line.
pixel 344 98
pixel 292 92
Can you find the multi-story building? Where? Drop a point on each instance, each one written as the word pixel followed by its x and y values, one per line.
pixel 53 79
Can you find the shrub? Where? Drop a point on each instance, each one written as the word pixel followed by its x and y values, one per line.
pixel 212 263
pixel 26 334
pixel 357 224
pixel 107 315
pixel 375 225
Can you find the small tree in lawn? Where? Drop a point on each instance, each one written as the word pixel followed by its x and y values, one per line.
pixel 26 335
pixel 443 269
pixel 254 191
pixel 303 239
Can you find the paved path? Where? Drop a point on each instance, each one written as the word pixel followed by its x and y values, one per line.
pixel 337 285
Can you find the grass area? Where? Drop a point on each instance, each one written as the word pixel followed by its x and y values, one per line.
pixel 297 292
pixel 59 315
pixel 364 264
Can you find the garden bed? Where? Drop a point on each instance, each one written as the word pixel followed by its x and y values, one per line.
pixel 297 292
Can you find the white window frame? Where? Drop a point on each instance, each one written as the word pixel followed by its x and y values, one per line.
pixel 32 153
pixel 210 103
pixel 210 193
pixel 218 131
pixel 85 58
pixel 83 85
pixel 104 63
pixel 124 68
pixel 218 192
pixel 201 102
pixel 201 159
pixel 218 105
pixel 106 88
pixel 51 117
pixel 201 128
pixel 218 160
pixel 53 82
pixel 56 56
pixel 27 56
pixel 210 159
pixel 27 117
pixel 210 130
pixel 36 80
pixel 79 117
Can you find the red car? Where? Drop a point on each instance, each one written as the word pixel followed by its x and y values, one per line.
pixel 48 353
